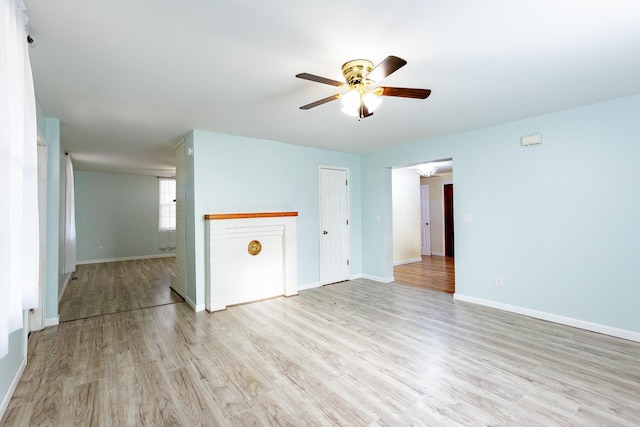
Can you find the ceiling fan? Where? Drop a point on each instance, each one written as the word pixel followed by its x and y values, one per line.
pixel 361 78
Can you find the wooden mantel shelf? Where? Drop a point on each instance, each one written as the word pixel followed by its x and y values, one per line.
pixel 210 217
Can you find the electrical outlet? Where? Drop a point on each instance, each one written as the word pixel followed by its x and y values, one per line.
pixel 499 281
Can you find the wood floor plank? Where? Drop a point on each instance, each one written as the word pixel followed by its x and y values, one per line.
pixel 18 415
pixel 152 397
pixel 433 272
pixel 87 404
pixel 356 353
pixel 289 405
pixel 114 287
pixel 191 397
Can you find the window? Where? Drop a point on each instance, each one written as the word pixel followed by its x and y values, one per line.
pixel 167 213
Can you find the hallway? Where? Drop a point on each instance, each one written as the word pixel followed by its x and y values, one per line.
pixel 115 287
pixel 434 272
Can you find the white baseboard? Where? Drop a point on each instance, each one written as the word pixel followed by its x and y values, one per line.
pixel 378 279
pixel 310 285
pixel 193 305
pixel 53 321
pixel 437 253
pixel 407 261
pixel 131 258
pixel 568 321
pixel 12 387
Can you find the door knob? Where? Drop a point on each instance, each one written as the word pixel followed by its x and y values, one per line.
pixel 427 223
pixel 325 232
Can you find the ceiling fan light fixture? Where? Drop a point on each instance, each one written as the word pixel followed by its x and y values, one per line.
pixel 353 99
pixel 351 102
pixel 371 101
pixel 361 77
pixel 427 170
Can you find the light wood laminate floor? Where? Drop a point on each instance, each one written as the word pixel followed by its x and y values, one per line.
pixel 357 353
pixel 114 287
pixel 433 272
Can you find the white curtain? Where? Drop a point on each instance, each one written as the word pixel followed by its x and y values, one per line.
pixel 19 245
pixel 70 220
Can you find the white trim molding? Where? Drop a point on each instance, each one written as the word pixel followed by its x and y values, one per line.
pixel 193 305
pixel 378 278
pixel 407 261
pixel 12 387
pixel 568 321
pixel 52 321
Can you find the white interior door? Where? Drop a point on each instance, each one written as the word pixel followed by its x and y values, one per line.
pixel 334 225
pixel 425 220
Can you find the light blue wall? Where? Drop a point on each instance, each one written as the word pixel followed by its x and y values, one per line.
pixel 234 174
pixel 10 364
pixel 556 220
pixel 118 212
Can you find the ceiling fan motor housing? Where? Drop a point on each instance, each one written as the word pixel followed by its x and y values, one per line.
pixel 355 71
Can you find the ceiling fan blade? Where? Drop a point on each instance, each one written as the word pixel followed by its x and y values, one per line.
pixel 314 78
pixel 403 92
pixel 320 102
pixel 389 65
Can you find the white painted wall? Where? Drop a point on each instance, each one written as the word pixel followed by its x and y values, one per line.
pixel 406 216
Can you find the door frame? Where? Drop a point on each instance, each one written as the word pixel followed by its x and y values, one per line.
pixel 347 214
pixel 444 237
pixel 428 220
pixel 179 284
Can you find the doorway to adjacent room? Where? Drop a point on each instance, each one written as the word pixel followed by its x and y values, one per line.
pixel 433 265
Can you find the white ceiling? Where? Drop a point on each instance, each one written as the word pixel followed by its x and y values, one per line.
pixel 128 79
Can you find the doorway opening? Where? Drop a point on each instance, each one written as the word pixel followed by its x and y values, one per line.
pixel 422 197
